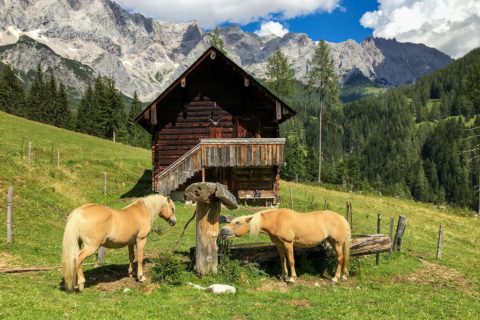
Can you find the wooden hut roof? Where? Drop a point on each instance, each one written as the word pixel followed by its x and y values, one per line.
pixel 287 111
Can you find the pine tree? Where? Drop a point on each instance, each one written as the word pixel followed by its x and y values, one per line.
pixel 137 135
pixel 63 116
pixel 12 95
pixel 281 75
pixel 321 78
pixel 216 41
pixel 36 96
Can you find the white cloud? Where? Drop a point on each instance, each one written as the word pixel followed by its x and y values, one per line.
pixel 452 26
pixel 209 13
pixel 272 27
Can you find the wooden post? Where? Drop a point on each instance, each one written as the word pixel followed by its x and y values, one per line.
pixel 379 230
pixel 104 183
pixel 29 153
pixel 10 215
pixel 440 242
pixel 209 198
pixel 350 215
pixel 325 205
pixel 478 210
pixel 291 198
pixel 401 225
pixel 114 136
pixel 203 174
pixel 58 160
pixel 101 256
pixel 392 224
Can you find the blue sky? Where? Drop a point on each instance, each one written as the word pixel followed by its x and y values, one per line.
pixel 341 24
pixel 451 26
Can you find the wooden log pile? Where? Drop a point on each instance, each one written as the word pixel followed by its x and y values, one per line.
pixel 267 252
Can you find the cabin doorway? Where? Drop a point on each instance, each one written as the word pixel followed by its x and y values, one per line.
pixel 246 128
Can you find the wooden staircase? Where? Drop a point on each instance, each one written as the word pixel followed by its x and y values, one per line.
pixel 235 152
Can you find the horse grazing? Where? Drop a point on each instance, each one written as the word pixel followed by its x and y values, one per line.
pixel 288 228
pixel 94 225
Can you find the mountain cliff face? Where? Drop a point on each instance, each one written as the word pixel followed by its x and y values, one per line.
pixel 143 54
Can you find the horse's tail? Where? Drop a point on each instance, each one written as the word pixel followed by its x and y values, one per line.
pixel 71 249
pixel 346 248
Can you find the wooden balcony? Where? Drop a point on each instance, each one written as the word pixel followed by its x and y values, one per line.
pixel 210 153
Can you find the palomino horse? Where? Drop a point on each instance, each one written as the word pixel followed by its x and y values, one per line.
pixel 96 225
pixel 288 228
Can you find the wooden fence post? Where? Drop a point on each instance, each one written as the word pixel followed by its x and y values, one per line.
pixel 58 160
pixel 401 225
pixel 29 153
pixel 209 197
pixel 379 230
pixel 440 242
pixel 325 205
pixel 105 183
pixel 101 256
pixel 392 225
pixel 114 137
pixel 350 216
pixel 291 198
pixel 10 215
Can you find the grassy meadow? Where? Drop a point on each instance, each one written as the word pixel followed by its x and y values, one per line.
pixel 410 285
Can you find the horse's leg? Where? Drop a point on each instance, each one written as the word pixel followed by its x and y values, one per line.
pixel 339 250
pixel 140 246
pixel 291 261
pixel 131 257
pixel 283 261
pixel 84 253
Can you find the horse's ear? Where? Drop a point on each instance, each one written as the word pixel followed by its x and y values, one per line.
pixel 248 219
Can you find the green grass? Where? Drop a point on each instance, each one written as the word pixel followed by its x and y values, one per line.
pixel 44 195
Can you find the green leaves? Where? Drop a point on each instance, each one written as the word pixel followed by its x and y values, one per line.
pixel 281 75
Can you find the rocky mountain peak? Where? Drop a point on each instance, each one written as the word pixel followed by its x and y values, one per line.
pixel 144 54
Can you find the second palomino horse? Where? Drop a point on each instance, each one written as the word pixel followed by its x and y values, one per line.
pixel 288 228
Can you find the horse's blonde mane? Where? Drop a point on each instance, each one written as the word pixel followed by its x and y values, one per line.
pixel 256 223
pixel 153 203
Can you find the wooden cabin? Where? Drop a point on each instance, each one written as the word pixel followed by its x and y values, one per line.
pixel 217 123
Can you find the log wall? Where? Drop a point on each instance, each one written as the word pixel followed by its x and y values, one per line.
pixel 212 93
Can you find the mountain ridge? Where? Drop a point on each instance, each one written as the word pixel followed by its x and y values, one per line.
pixel 144 54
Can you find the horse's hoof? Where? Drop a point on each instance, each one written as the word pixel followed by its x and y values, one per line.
pixel 81 287
pixel 344 278
pixel 130 275
pixel 335 280
pixel 290 280
pixel 142 279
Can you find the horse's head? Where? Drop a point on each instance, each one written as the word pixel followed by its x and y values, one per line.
pixel 237 228
pixel 168 212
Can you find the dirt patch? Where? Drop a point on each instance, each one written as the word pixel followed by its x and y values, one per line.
pixel 436 275
pixel 281 286
pixel 298 303
pixel 7 261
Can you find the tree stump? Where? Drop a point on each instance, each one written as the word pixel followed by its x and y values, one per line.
pixel 209 198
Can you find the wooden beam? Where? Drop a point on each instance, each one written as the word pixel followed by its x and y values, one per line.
pixel 278 110
pixel 153 116
pixel 267 252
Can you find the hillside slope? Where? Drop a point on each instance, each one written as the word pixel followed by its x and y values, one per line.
pixel 411 285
